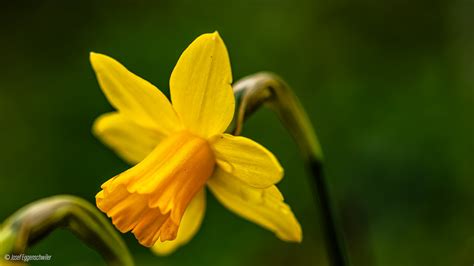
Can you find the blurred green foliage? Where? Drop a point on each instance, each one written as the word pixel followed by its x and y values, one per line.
pixel 388 84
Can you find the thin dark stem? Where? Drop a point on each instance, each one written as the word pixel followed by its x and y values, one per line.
pixel 333 239
pixel 268 89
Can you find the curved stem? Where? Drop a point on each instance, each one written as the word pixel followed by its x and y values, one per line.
pixel 36 220
pixel 268 89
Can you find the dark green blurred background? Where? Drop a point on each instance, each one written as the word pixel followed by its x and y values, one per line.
pixel 388 84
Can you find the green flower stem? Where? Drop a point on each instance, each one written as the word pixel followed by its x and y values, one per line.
pixel 268 89
pixel 36 220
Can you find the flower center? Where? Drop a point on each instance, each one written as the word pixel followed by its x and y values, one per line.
pixel 151 197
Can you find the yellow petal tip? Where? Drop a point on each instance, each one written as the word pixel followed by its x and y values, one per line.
pixel 95 58
pixel 92 55
pixel 98 60
pixel 294 236
pixel 215 35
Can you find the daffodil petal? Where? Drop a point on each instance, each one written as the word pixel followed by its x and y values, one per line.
pixel 190 224
pixel 129 140
pixel 200 86
pixel 247 160
pixel 133 96
pixel 264 207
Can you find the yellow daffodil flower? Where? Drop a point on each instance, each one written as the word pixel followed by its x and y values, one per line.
pixel 180 148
